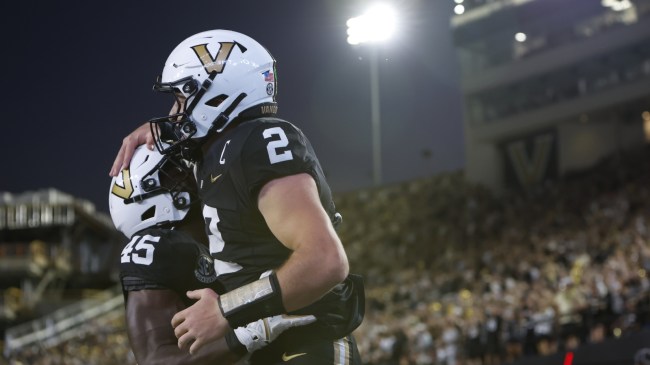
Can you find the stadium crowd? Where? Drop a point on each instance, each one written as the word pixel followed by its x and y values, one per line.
pixel 456 274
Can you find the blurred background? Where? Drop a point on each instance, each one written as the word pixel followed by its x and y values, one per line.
pixel 490 159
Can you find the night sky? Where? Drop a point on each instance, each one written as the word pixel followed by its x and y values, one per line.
pixel 78 75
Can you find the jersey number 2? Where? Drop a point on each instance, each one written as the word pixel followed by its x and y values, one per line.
pixel 274 147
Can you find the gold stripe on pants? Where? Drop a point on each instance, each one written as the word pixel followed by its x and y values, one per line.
pixel 342 351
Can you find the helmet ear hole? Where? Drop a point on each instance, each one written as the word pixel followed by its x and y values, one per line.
pixel 148 184
pixel 180 202
pixel 190 87
pixel 189 128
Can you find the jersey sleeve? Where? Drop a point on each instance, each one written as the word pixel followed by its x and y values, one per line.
pixel 274 150
pixel 169 259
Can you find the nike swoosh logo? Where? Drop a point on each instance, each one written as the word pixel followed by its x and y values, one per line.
pixel 213 179
pixel 286 357
pixel 177 66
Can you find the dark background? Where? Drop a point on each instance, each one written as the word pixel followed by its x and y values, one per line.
pixel 78 76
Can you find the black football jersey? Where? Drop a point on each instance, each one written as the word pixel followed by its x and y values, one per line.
pixel 232 171
pixel 169 259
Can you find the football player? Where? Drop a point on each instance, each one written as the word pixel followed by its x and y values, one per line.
pixel 154 203
pixel 265 199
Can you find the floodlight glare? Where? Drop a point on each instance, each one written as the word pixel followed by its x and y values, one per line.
pixel 376 25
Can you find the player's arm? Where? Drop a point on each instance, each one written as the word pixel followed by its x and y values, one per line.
pixel 292 209
pixel 152 339
pixel 293 212
pixel 141 135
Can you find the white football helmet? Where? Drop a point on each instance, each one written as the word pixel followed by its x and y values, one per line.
pixel 153 190
pixel 220 74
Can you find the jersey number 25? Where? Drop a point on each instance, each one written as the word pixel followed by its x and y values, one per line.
pixel 139 250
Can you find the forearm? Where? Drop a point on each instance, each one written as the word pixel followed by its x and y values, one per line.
pixel 302 280
pixel 318 261
pixel 309 274
pixel 152 338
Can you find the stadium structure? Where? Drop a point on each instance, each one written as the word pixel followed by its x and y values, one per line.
pixel 55 251
pixel 551 86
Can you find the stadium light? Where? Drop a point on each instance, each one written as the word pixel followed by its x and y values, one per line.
pixel 376 25
pixel 617 5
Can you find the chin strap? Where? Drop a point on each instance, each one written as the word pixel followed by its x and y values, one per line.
pixel 141 197
pixel 221 121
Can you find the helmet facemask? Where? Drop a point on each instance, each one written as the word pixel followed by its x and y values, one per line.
pixel 170 131
pixel 173 178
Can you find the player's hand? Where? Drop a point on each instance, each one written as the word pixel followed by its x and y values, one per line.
pixel 141 135
pixel 201 323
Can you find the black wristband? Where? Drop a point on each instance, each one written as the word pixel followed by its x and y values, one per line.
pixel 246 304
pixel 234 345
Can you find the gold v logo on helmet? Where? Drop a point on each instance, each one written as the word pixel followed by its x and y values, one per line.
pixel 125 191
pixel 215 64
